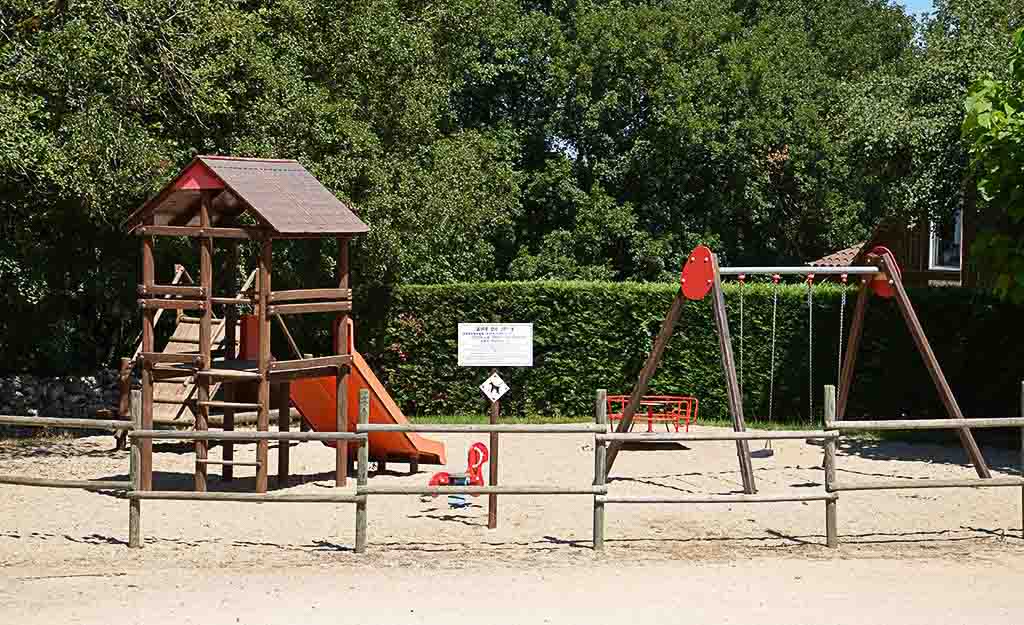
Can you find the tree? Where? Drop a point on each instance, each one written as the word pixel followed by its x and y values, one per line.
pixel 994 128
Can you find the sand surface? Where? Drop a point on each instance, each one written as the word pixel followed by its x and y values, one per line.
pixel 63 555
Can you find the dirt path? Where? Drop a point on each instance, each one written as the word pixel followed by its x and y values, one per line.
pixel 766 591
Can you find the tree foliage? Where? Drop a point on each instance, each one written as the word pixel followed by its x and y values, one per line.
pixel 995 128
pixel 480 140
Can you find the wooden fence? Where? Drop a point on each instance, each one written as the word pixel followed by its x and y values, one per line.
pixel 831 538
pixel 598 489
pixel 134 538
pixel 831 423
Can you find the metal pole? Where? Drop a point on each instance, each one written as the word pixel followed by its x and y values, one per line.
pixel 798 271
pixel 363 469
pixel 134 465
pixel 600 468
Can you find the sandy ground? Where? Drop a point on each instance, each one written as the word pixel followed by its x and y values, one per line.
pixel 952 550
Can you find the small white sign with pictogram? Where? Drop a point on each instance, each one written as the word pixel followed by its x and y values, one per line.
pixel 494 387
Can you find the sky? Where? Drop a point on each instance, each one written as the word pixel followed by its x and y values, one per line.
pixel 917 6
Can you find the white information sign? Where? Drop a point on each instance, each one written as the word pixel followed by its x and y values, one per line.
pixel 494 387
pixel 495 344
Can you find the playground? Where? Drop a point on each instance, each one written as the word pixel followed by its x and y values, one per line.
pixel 641 480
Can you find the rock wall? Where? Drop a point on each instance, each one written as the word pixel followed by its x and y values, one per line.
pixel 64 396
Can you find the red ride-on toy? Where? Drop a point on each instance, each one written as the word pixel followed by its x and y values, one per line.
pixel 474 475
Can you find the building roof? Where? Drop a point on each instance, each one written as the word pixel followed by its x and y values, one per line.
pixel 281 195
pixel 842 258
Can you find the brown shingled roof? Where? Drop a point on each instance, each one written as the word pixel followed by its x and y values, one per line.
pixel 281 194
pixel 842 258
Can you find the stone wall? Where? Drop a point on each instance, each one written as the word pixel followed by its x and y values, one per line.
pixel 64 396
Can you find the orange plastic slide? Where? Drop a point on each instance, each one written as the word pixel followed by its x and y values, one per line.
pixel 315 399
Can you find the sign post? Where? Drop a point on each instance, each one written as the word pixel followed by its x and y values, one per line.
pixel 495 345
pixel 493 387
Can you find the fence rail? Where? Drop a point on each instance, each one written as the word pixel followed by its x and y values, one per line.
pixel 474 428
pixel 598 489
pixel 71 424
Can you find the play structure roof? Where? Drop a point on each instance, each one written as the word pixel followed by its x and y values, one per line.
pixel 280 194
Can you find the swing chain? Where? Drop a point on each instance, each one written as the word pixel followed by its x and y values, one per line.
pixel 810 347
pixel 842 316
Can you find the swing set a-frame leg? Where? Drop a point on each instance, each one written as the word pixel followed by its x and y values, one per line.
pixel 932 364
pixel 732 385
pixel 642 383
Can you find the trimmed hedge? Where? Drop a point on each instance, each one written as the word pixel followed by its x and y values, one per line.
pixel 590 335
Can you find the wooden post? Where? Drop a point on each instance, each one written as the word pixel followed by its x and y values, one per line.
pixel 492 500
pixel 202 412
pixel 148 340
pixel 653 359
pixel 135 505
pixel 852 345
pixel 600 464
pixel 263 417
pixel 1022 458
pixel 341 347
pixel 229 347
pixel 932 364
pixel 284 410
pixel 362 472
pixel 732 385
pixel 124 389
pixel 831 530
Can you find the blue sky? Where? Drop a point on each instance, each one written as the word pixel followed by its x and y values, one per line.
pixel 917 6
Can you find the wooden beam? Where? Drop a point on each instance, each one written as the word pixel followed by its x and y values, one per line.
pixel 147 345
pixel 202 411
pixel 151 358
pixel 309 363
pixel 201 231
pixel 283 423
pixel 172 304
pixel 288 336
pixel 653 359
pixel 171 289
pixel 888 264
pixel 313 307
pixel 304 294
pixel 732 385
pixel 852 346
pixel 263 362
pixel 341 340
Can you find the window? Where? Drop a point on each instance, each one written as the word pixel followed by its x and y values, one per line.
pixel 944 250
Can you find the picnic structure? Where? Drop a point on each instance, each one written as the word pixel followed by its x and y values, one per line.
pixel 235 200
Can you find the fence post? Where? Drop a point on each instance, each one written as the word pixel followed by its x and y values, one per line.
pixel 135 459
pixel 362 471
pixel 600 467
pixel 1022 458
pixel 831 531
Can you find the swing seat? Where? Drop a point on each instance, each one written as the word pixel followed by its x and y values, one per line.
pixel 672 410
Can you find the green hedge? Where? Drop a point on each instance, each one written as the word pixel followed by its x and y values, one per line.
pixel 590 335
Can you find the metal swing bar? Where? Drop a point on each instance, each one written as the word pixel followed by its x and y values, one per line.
pixel 798 271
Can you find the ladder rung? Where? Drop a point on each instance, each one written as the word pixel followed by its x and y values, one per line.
pixel 177 402
pixel 229 404
pixel 184 341
pixel 233 463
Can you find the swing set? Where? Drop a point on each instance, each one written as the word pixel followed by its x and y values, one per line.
pixel 701 275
